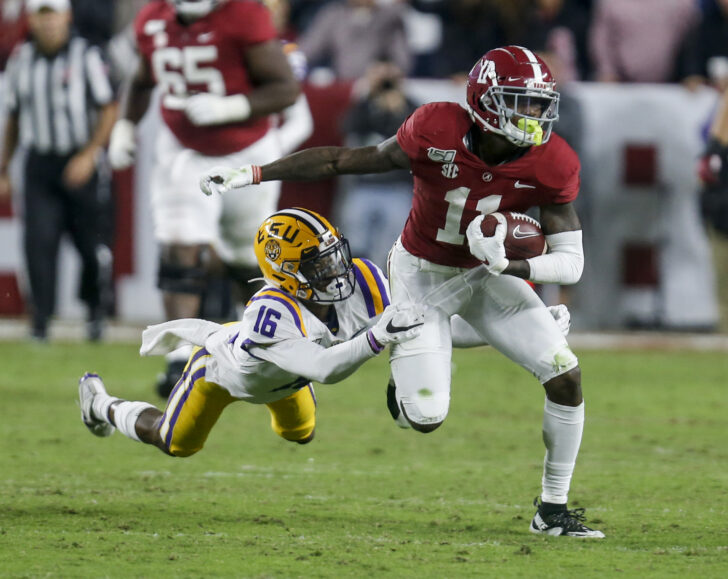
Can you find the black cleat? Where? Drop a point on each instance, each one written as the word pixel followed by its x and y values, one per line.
pixel 168 380
pixel 569 523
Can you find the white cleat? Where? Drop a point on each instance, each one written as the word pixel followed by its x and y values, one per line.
pixel 89 386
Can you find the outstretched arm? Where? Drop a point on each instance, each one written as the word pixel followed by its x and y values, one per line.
pixel 306 358
pixel 310 165
pixel 323 162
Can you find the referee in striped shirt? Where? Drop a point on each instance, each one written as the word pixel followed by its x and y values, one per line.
pixel 60 107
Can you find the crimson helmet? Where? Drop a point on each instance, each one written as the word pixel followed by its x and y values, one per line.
pixel 194 8
pixel 511 92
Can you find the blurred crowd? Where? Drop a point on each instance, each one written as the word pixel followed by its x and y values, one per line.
pixel 593 40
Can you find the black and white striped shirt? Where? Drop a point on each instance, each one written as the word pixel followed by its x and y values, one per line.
pixel 57 98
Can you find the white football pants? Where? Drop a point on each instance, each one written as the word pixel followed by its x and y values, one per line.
pixel 503 310
pixel 184 215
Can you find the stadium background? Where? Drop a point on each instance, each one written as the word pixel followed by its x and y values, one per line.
pixel 649 262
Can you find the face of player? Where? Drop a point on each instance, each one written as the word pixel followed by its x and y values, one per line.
pixel 50 29
pixel 527 106
pixel 330 273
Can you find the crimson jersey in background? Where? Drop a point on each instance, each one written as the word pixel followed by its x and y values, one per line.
pixel 206 55
pixel 452 185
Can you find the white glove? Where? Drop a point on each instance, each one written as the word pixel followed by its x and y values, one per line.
pixel 221 179
pixel 489 250
pixel 122 145
pixel 207 109
pixel 398 323
pixel 562 316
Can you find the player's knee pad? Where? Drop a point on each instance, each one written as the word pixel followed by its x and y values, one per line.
pixel 424 410
pixel 181 279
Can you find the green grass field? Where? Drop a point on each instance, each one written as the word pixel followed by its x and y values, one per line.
pixel 366 499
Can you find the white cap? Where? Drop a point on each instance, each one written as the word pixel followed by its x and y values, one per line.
pixel 55 5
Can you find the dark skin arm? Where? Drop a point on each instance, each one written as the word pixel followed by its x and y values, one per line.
pixel 10 143
pixel 325 162
pixel 275 86
pixel 555 218
pixel 137 94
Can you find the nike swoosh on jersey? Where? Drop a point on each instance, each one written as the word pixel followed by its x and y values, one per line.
pixel 392 329
pixel 518 234
pixel 519 185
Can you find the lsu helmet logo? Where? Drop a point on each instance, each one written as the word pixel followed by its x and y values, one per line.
pixel 272 249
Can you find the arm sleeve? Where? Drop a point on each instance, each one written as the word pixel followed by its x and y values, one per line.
pixel 310 360
pixel 564 262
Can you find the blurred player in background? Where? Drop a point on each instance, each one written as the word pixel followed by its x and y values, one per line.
pixel 498 153
pixel 60 108
pixel 295 123
pixel 319 317
pixel 221 74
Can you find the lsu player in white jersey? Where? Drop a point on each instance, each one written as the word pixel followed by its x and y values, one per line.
pixel 319 317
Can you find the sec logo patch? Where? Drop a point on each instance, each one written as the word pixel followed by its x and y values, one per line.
pixel 450 170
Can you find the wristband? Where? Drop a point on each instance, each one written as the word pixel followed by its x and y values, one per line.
pixel 373 344
pixel 257 174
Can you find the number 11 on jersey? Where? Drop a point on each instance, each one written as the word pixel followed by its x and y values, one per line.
pixel 456 199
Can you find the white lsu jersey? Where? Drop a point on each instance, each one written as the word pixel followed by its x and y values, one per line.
pixel 279 346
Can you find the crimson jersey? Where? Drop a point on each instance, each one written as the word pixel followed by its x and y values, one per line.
pixel 206 55
pixel 452 185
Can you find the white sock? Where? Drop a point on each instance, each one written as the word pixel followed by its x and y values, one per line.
pixel 562 429
pixel 126 415
pixel 100 406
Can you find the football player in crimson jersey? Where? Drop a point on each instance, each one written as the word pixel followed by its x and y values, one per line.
pixel 497 153
pixel 221 74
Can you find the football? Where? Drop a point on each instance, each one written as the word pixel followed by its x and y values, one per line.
pixel 524 237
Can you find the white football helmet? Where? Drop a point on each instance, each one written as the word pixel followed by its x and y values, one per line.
pixel 194 8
